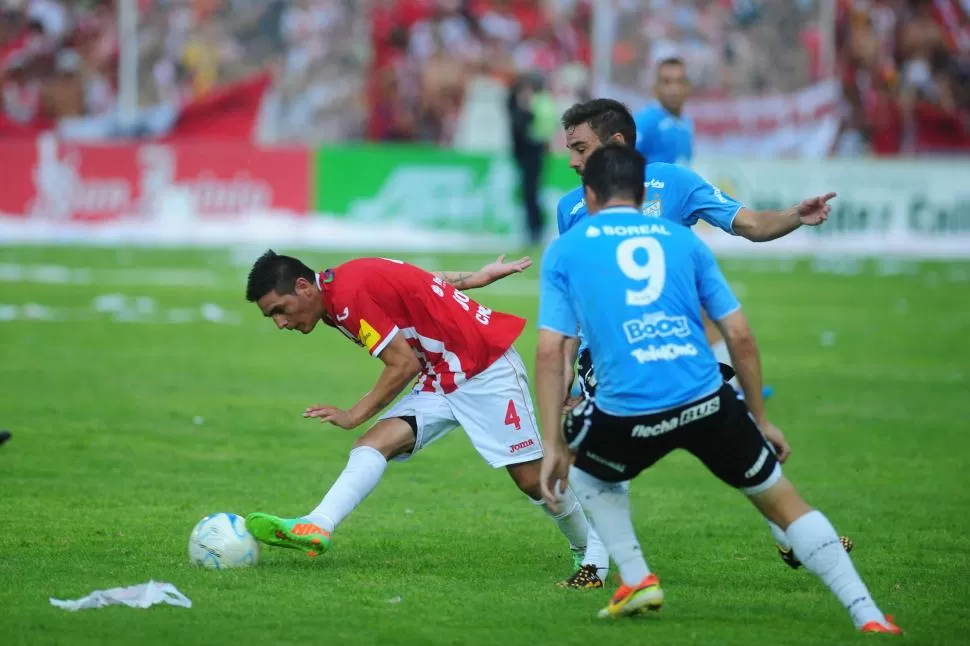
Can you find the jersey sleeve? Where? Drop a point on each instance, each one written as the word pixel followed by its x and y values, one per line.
pixel 561 215
pixel 709 203
pixel 369 323
pixel 715 293
pixel 555 311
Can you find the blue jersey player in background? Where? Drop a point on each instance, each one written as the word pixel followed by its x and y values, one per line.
pixel 664 133
pixel 636 287
pixel 678 194
pixel 673 192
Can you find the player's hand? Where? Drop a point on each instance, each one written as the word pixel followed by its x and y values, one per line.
pixel 332 414
pixel 571 403
pixel 777 439
pixel 554 473
pixel 815 210
pixel 500 269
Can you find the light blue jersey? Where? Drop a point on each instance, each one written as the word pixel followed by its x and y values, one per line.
pixel 664 137
pixel 672 192
pixel 636 288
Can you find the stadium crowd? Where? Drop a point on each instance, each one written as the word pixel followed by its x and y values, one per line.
pixel 399 70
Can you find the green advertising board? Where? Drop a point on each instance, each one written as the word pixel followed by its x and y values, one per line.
pixel 431 188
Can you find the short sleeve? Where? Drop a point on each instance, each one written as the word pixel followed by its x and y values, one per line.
pixel 715 293
pixel 709 203
pixel 369 323
pixel 560 216
pixel 555 310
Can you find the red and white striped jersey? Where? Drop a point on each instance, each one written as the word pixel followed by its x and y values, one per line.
pixel 371 300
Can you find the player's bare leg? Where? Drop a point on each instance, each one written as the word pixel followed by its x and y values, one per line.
pixel 590 557
pixel 816 544
pixel 365 467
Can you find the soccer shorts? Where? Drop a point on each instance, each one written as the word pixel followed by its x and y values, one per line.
pixel 717 429
pixel 494 408
pixel 587 378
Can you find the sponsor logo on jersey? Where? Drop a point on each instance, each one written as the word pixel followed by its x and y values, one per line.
pixel 652 228
pixel 579 205
pixel 521 445
pixel 652 326
pixel 668 352
pixel 343 316
pixel 369 337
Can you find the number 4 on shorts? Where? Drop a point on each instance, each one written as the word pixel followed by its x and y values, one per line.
pixel 512 416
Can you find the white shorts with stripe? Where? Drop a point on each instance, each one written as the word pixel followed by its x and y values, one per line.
pixel 494 407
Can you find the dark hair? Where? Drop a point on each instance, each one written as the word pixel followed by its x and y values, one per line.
pixel 273 272
pixel 606 117
pixel 615 171
pixel 671 60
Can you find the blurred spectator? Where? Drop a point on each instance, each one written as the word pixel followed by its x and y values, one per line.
pixel 533 118
pixel 905 72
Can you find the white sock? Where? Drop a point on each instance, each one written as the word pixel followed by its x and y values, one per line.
pixel 570 520
pixel 363 471
pixel 721 354
pixel 817 546
pixel 608 507
pixel 781 538
pixel 597 554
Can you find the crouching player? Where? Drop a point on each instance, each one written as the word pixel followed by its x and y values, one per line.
pixel 421 327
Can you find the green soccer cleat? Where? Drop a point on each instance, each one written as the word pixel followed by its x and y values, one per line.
pixel 293 533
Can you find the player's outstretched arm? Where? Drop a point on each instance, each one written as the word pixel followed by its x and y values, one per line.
pixel 401 366
pixel 486 275
pixel 550 393
pixel 762 226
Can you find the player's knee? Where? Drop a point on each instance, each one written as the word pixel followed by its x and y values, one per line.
pixel 781 503
pixel 526 478
pixel 390 437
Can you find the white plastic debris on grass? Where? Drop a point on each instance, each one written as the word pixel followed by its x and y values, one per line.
pixel 143 595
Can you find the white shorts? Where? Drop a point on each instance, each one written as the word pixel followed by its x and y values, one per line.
pixel 494 408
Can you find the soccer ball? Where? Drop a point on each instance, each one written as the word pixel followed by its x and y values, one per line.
pixel 221 541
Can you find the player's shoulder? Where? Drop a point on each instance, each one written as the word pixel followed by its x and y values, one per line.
pixel 650 113
pixel 659 174
pixel 572 202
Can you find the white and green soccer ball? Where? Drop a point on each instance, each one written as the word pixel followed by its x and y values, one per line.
pixel 221 541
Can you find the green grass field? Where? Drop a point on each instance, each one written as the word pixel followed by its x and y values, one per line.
pixel 132 419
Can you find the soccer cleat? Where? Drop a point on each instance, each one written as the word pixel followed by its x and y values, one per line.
pixel 585 578
pixel 888 628
pixel 630 601
pixel 294 533
pixel 788 556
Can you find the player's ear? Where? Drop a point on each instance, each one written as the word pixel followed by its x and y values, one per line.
pixel 303 286
pixel 617 138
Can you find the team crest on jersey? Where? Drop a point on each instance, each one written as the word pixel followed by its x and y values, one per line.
pixel 653 208
pixel 369 337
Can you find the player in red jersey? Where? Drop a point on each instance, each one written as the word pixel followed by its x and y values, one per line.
pixel 458 353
